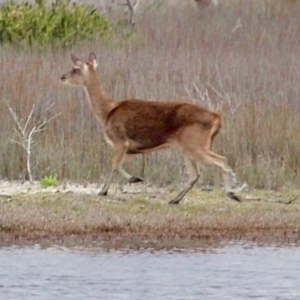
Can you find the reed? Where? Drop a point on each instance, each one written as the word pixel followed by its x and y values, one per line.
pixel 235 59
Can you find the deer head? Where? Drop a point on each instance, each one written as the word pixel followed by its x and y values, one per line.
pixel 82 72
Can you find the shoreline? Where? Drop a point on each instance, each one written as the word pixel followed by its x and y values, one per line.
pixel 139 217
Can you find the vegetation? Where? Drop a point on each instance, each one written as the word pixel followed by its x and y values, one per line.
pixel 50 180
pixel 236 59
pixel 63 23
pixel 131 221
pixel 241 59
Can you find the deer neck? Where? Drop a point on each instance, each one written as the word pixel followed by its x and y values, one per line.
pixel 101 105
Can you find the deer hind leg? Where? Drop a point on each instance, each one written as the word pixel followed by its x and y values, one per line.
pixel 193 170
pixel 229 177
pixel 130 178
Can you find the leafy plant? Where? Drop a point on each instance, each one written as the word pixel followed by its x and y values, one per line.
pixel 62 23
pixel 50 180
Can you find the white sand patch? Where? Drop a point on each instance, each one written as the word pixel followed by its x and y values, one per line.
pixel 9 189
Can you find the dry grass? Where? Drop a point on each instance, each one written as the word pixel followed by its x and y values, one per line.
pixel 236 59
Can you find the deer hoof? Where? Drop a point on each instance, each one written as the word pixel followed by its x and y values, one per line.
pixel 134 179
pixel 174 201
pixel 233 196
pixel 102 193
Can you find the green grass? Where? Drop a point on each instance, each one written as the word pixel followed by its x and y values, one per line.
pixel 50 180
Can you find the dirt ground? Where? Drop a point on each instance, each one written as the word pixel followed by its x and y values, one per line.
pixel 139 216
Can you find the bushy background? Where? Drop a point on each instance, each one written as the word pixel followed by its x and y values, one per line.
pixel 241 59
pixel 58 23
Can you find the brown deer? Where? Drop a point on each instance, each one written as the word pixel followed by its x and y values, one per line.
pixel 142 126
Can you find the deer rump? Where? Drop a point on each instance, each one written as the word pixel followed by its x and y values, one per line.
pixel 146 126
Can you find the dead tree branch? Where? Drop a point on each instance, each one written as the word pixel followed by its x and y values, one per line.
pixel 132 6
pixel 24 133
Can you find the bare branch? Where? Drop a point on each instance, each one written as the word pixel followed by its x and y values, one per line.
pixel 237 26
pixel 39 127
pixel 29 117
pixel 50 106
pixel 14 116
pixel 19 143
pixel 25 136
pixel 132 7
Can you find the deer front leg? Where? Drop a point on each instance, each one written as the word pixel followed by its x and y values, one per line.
pixel 194 176
pixel 107 183
pixel 117 160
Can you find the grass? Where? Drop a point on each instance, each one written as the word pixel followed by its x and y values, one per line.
pixel 241 59
pixel 50 180
pixel 249 74
pixel 146 219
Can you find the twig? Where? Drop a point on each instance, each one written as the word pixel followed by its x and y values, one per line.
pixel 260 199
pixel 131 11
pixel 293 200
pixel 237 26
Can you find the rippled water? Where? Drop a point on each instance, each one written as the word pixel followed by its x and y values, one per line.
pixel 232 272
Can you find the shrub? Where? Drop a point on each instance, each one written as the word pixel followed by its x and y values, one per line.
pixel 50 180
pixel 62 23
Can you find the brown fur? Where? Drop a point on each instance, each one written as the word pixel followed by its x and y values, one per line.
pixel 148 124
pixel 141 126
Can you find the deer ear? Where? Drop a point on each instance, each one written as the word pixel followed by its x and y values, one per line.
pixel 76 61
pixel 93 60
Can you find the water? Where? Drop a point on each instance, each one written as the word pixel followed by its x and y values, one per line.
pixel 232 272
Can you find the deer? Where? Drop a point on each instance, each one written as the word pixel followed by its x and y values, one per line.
pixel 136 126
